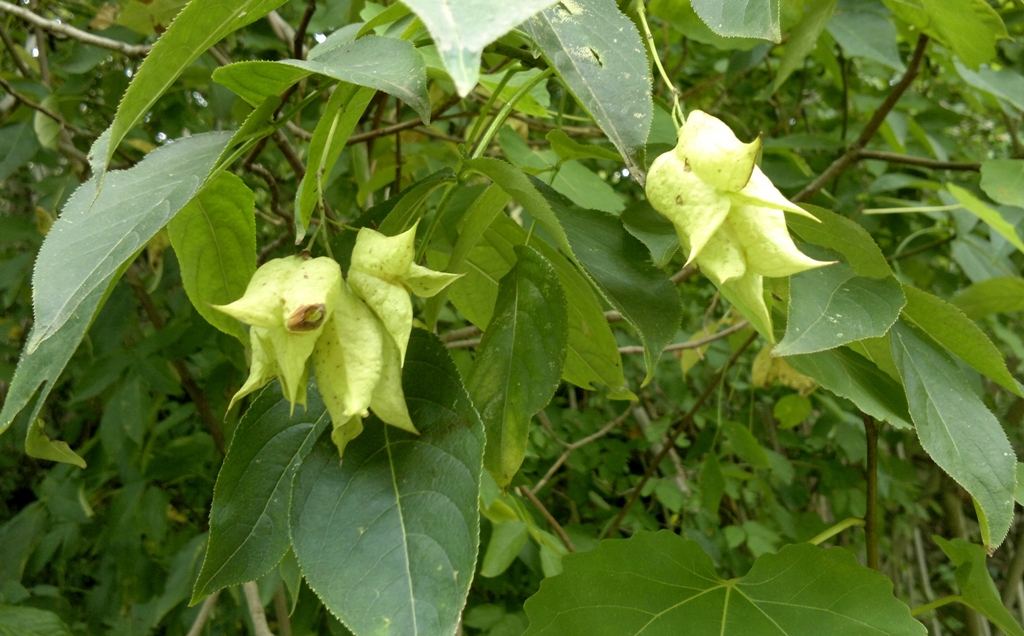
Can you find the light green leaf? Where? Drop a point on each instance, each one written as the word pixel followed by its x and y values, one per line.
pixel 214 237
pixel 745 445
pixel 462 28
pixel 992 296
pixel 969 28
pixel 977 590
pixel 989 215
pixel 608 75
pixel 712 483
pixel 958 333
pixel 653 229
pixel 684 19
pixel 863 28
pixel 1018 493
pixel 29 621
pixel 507 539
pixel 831 306
pixel 519 361
pixel 1005 83
pixel 850 375
pixel 791 410
pixel 803 39
pixel 47 129
pixel 956 428
pixel 200 25
pixel 621 267
pixel 249 516
pixel 18 144
pixel 37 444
pixel 388 538
pixel 535 103
pixel 348 103
pixel 87 247
pixel 741 18
pixel 1003 179
pixel 842 235
pixel 659 583
pixel 386 64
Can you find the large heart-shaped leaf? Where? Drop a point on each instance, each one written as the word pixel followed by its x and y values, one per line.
pixel 388 538
pixel 659 584
pixel 519 362
pixel 249 516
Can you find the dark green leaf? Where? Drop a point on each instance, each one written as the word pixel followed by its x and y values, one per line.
pixel 214 237
pixel 968 28
pixel 864 29
pixel 86 248
pixel 599 55
pixel 956 428
pixel 388 538
pixel 519 362
pixel 842 235
pixel 462 28
pixel 803 39
pixel 29 621
pixel 850 375
pixel 568 148
pixel 18 144
pixel 659 583
pixel 958 333
pixel 745 445
pixel 977 590
pixel 621 266
pixel 741 18
pixel 992 296
pixel 656 232
pixel 249 516
pixel 831 306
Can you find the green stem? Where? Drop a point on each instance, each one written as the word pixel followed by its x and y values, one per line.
pixel 434 222
pixel 937 603
pixel 499 119
pixel 836 529
pixel 677 110
pixel 490 103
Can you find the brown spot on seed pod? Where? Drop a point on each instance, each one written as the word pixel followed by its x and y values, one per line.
pixel 306 318
pixel 679 199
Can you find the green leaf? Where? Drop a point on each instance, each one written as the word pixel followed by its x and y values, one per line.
pixel 507 539
pixel 992 296
pixel 462 28
pixel 851 376
pixel 831 306
pixel 200 25
pixel 29 621
pixel 969 28
pixel 712 483
pixel 659 583
pixel 47 129
pixel 977 590
pixel 1018 493
pixel 386 64
pixel 568 148
pixel 653 229
pixel 1003 181
pixel 388 538
pixel 864 29
pixel 741 18
pixel 956 428
pixel 214 237
pixel 803 39
pixel 745 445
pixel 791 410
pixel 989 215
pixel 249 515
pixel 609 76
pixel 844 236
pixel 18 144
pixel 37 444
pixel 958 333
pixel 1005 84
pixel 519 361
pixel 347 103
pixel 621 266
pixel 684 19
pixel 87 247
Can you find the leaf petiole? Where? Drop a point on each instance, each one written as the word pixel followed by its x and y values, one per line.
pixel 836 529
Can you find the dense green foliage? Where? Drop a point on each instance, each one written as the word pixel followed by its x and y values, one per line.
pixel 610 440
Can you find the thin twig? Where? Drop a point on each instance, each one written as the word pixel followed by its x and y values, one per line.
pixel 853 151
pixel 44 110
pixel 557 527
pixel 187 381
pixel 204 615
pixel 259 618
pixel 684 275
pixel 289 153
pixel 924 162
pixel 871 516
pixel 569 448
pixel 13 48
pixel 677 429
pixel 1014 574
pixel 284 624
pixel 299 39
pixel 131 50
pixel 693 344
